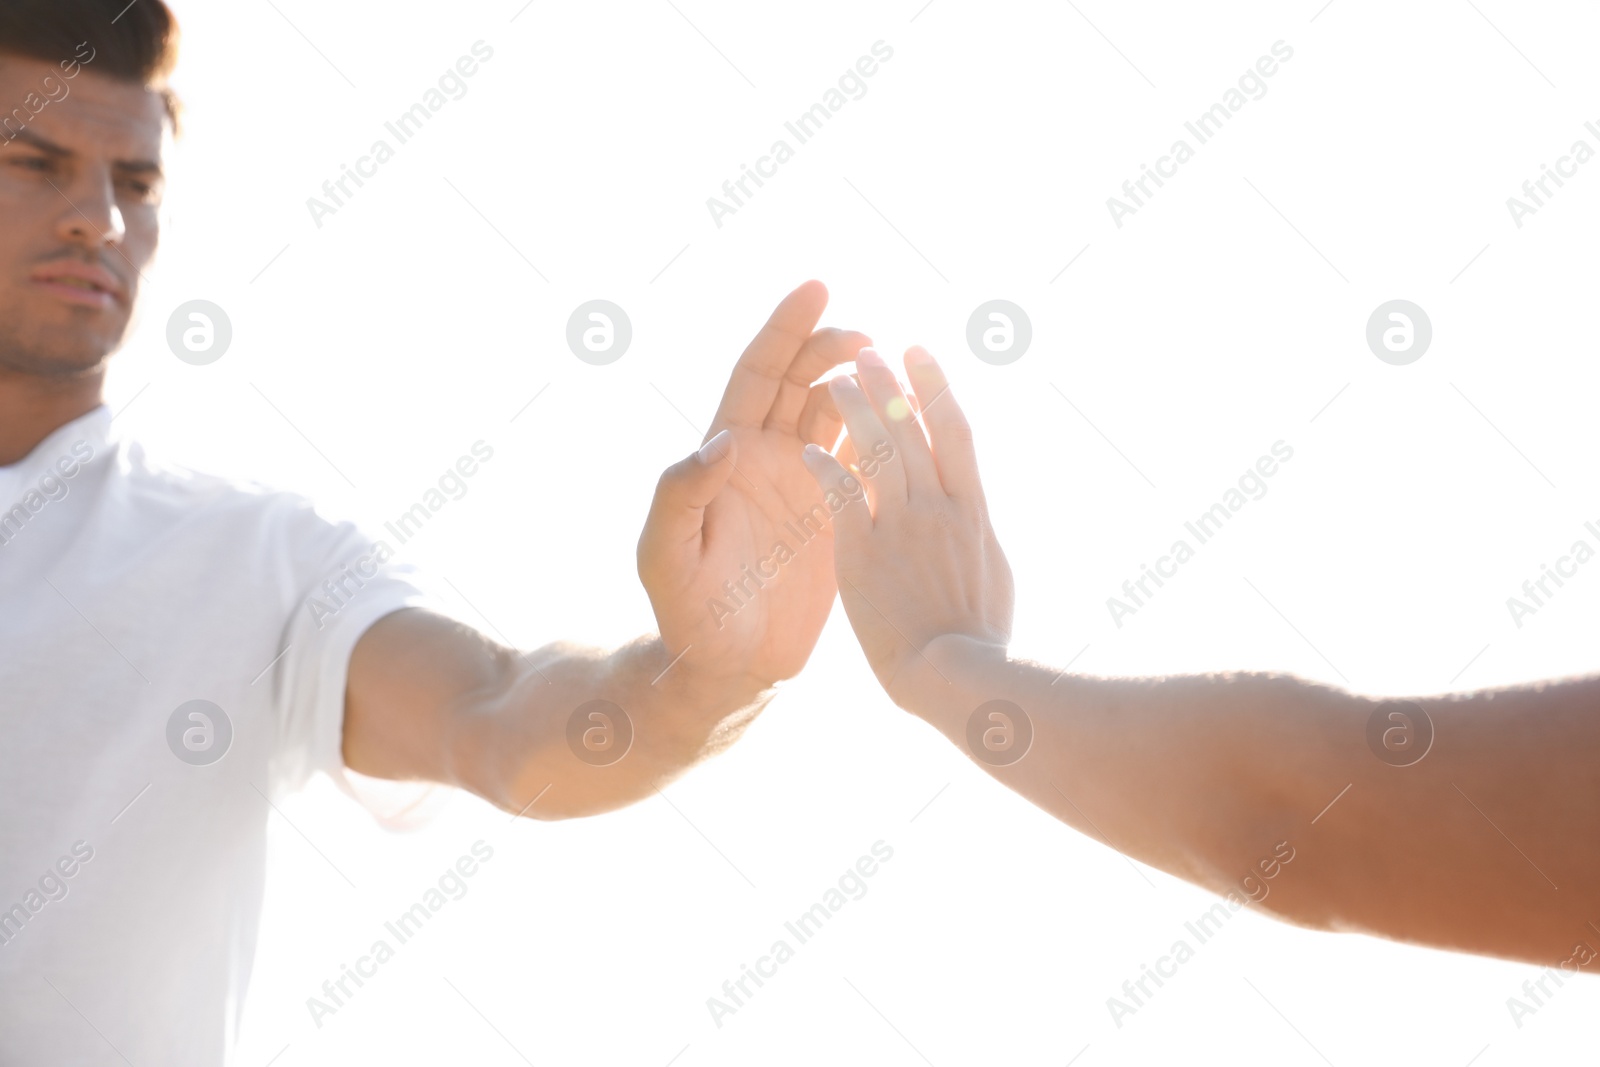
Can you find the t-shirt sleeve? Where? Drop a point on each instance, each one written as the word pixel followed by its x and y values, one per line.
pixel 343 581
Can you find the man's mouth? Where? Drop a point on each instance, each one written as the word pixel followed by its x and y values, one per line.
pixel 81 284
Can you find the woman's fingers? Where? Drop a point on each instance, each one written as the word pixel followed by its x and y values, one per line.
pixel 876 457
pixel 895 415
pixel 952 436
pixel 846 454
pixel 852 523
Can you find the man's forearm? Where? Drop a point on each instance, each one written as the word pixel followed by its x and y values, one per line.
pixel 1484 843
pixel 557 732
pixel 573 731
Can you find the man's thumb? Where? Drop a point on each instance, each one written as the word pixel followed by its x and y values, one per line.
pixel 678 511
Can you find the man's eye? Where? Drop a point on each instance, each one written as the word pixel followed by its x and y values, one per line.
pixel 142 192
pixel 33 163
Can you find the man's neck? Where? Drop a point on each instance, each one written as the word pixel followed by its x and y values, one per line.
pixel 32 408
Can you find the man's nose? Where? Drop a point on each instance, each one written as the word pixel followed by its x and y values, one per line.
pixel 90 217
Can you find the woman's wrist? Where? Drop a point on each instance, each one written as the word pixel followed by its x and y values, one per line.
pixel 953 674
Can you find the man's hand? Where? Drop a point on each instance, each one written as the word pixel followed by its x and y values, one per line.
pixel 738 568
pixel 918 562
pixel 737 558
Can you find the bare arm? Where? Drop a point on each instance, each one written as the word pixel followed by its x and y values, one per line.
pixel 558 732
pixel 431 699
pixel 1490 843
pixel 1465 822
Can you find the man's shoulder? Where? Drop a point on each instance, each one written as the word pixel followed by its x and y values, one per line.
pixel 147 477
pixel 165 493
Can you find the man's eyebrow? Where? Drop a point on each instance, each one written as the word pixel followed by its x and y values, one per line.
pixel 49 148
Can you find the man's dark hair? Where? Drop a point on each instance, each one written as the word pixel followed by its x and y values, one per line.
pixel 135 42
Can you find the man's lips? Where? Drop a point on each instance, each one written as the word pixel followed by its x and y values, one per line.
pixel 81 283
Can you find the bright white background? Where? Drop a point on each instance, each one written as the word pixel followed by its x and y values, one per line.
pixel 415 322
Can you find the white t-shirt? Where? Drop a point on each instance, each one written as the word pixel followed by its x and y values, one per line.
pixel 132 858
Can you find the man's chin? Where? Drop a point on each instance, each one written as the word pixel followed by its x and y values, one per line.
pixel 62 364
pixel 63 350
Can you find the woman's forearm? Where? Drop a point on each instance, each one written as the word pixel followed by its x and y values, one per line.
pixel 1467 822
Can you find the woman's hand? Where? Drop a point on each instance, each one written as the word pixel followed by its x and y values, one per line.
pixel 916 557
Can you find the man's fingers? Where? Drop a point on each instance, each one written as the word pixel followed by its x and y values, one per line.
pixel 853 522
pixel 947 426
pixel 894 412
pixel 677 514
pixel 753 387
pixel 820 421
pixel 825 349
pixel 876 457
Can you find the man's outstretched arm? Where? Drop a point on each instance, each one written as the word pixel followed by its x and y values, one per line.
pixel 435 700
pixel 564 731
pixel 1465 822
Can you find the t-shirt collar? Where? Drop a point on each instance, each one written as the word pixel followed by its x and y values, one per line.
pixel 93 428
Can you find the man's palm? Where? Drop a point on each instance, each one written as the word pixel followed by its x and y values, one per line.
pixel 737 563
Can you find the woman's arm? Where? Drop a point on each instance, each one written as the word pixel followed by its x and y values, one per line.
pixel 1467 822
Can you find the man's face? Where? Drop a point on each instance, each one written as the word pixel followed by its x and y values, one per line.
pixel 80 192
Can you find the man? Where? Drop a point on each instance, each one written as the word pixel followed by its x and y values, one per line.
pixel 1467 822
pixel 176 650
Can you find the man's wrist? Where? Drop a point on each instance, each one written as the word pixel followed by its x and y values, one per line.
pixel 699 701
